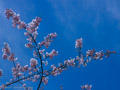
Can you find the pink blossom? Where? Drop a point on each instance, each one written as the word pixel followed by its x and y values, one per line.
pixel 86 87
pixel 26 33
pixel 46 72
pixel 45 80
pixel 47 44
pixel 51 36
pixel 52 54
pixel 56 71
pixel 79 43
pixel 36 76
pixel 81 61
pixel 26 67
pixel 20 74
pixel 33 62
pixel 41 44
pixel 99 55
pixel 45 62
pixel 35 53
pixel 30 39
pixel 33 26
pixel 12 57
pixel 48 39
pixel 60 71
pixel 34 80
pixel 16 20
pixel 6 49
pixel 21 25
pixel 4 56
pixel 9 13
pixel 35 70
pixel 90 53
pixel 29 45
pixel 77 58
pixel 7 53
pixel 21 68
pixel 29 69
pixel 70 62
pixel 42 52
pixel 18 65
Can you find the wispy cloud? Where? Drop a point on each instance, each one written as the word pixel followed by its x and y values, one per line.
pixel 113 8
pixel 72 12
pixel 67 14
pixel 2 8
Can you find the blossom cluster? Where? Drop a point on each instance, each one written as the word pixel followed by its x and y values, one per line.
pixel 45 55
pixel 45 80
pixel 35 72
pixel 75 62
pixel 79 43
pixel 21 70
pixel 31 28
pixel 86 87
pixel 52 54
pixel 16 19
pixel 56 71
pixel 7 53
pixel 33 62
pixel 47 40
pixel 98 55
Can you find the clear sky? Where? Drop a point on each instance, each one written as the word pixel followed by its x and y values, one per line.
pixel 96 21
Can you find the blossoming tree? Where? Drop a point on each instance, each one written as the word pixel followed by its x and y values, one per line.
pixel 35 72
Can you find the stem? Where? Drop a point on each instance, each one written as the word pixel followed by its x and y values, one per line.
pixel 40 61
pixel 22 79
pixel 18 76
pixel 79 51
pixel 63 66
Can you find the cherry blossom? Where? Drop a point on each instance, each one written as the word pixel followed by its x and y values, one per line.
pixel 47 40
pixel 86 87
pixel 7 53
pixel 26 67
pixel 45 62
pixel 6 49
pixel 29 45
pixel 36 71
pixel 79 43
pixel 16 19
pixel 21 25
pixel 9 13
pixel 51 54
pixel 33 26
pixel 33 62
pixel 12 57
pixel 45 80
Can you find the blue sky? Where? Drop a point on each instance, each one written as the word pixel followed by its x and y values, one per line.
pixel 96 21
